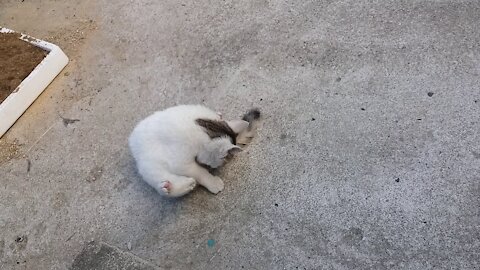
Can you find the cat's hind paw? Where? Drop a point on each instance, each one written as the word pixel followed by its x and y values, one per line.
pixel 166 186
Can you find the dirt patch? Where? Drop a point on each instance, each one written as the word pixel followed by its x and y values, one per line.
pixel 9 150
pixel 17 59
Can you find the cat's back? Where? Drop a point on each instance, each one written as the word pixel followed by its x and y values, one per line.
pixel 170 126
pixel 186 113
pixel 178 118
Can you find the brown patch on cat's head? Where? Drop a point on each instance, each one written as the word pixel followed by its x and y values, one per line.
pixel 216 129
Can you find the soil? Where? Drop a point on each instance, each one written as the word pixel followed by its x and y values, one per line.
pixel 9 150
pixel 17 60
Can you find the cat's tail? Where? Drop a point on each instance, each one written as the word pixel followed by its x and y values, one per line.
pixel 251 117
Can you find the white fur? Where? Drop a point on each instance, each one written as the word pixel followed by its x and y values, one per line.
pixel 166 143
pixel 238 125
pixel 215 152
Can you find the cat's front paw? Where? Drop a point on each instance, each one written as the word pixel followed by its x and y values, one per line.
pixel 216 185
pixel 192 184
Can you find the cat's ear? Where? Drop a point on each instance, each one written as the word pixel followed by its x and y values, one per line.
pixel 234 149
pixel 238 125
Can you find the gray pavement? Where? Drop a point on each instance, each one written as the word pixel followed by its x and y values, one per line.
pixel 368 156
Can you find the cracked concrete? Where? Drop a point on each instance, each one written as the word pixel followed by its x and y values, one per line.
pixel 368 156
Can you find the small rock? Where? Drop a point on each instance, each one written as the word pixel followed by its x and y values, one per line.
pixel 430 94
pixel 19 239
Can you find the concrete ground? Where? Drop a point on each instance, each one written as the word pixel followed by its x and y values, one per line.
pixel 368 156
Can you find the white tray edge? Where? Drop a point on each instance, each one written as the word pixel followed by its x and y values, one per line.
pixel 34 84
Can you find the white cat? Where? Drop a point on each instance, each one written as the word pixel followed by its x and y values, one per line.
pixel 173 148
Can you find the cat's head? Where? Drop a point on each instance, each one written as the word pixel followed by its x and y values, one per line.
pixel 217 151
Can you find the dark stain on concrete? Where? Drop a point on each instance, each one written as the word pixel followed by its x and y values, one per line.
pixel 68 121
pixel 29 165
pixel 102 256
pixel 353 236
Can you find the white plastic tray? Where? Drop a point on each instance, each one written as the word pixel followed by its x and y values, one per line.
pixel 33 85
